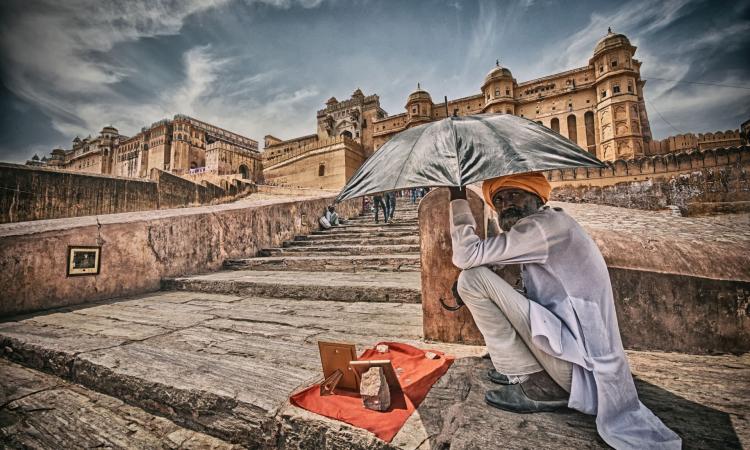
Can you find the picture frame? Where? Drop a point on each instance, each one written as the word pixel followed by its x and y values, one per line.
pixel 337 356
pixel 83 260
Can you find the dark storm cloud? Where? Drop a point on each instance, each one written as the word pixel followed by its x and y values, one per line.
pixel 265 67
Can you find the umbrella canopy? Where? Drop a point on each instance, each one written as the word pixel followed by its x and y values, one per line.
pixel 458 151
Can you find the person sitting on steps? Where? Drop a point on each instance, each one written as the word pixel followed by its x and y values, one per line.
pixel 330 218
pixel 559 345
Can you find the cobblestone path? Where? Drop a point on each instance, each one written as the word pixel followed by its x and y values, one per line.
pixel 210 361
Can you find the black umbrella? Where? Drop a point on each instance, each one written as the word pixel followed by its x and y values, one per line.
pixel 458 151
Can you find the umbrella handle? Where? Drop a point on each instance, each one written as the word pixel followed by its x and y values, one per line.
pixel 459 302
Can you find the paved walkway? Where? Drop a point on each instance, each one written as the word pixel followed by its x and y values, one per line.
pixel 213 362
pixel 725 228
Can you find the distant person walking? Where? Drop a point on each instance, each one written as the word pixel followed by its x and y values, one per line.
pixel 390 203
pixel 379 204
pixel 414 195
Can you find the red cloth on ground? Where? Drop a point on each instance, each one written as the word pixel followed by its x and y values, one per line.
pixel 418 376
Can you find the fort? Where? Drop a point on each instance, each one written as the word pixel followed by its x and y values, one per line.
pixel 182 145
pixel 204 320
pixel 215 283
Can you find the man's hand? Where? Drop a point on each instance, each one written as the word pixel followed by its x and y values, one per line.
pixel 458 193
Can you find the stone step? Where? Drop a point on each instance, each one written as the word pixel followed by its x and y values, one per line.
pixel 43 411
pixel 400 214
pixel 356 235
pixel 341 250
pixel 356 263
pixel 225 365
pixel 374 228
pixel 401 240
pixel 396 287
pixel 371 223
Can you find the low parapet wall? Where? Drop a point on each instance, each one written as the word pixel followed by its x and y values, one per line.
pixel 709 176
pixel 285 190
pixel 139 249
pixel 650 167
pixel 38 193
pixel 34 193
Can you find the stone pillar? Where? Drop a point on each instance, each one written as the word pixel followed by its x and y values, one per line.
pixel 438 272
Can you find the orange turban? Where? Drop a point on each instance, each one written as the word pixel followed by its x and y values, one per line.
pixel 533 182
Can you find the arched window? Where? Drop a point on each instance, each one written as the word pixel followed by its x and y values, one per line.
pixel 555 125
pixel 244 172
pixel 321 170
pixel 572 132
pixel 347 134
pixel 588 120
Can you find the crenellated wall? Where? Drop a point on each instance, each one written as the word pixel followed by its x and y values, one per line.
pixel 655 182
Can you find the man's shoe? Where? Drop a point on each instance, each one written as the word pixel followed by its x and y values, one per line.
pixel 512 398
pixel 500 378
pixel 537 394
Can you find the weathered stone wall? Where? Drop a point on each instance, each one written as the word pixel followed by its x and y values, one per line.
pixel 175 192
pixel 33 193
pixel 715 176
pixel 36 193
pixel 139 249
pixel 326 164
pixel 681 313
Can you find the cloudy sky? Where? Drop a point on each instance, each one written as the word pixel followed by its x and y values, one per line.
pixel 262 67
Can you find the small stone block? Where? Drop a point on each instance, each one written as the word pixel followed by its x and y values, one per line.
pixel 382 348
pixel 431 355
pixel 374 390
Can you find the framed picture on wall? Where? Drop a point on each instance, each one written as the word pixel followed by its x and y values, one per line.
pixel 84 260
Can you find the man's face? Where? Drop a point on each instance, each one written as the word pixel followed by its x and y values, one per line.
pixel 513 205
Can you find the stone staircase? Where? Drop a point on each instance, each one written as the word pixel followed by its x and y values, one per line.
pixel 211 360
pixel 360 245
pixel 358 261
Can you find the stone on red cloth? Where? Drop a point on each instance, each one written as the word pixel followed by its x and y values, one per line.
pixel 417 376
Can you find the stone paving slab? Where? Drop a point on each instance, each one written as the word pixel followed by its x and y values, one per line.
pixel 226 371
pixel 41 411
pixel 333 263
pixel 397 287
pixel 229 372
pixel 727 228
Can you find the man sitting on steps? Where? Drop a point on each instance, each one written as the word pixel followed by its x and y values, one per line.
pixel 330 218
pixel 559 344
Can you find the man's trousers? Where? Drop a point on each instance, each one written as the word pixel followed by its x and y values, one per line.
pixel 380 204
pixel 502 316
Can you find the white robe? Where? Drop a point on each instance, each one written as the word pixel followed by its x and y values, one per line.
pixel 572 316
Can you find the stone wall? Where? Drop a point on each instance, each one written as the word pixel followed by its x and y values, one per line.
pixel 175 192
pixel 681 313
pixel 327 164
pixel 713 176
pixel 139 249
pixel 36 193
pixel 33 193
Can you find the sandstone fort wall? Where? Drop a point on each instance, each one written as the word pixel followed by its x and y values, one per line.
pixel 37 193
pixel 139 249
pixel 655 182
pixel 32 193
